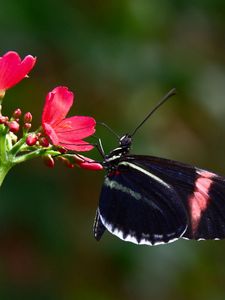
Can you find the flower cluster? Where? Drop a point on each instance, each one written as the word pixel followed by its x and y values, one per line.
pixel 59 137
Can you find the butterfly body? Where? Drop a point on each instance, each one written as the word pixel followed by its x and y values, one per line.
pixel 111 160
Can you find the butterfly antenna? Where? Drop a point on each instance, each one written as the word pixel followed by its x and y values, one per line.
pixel 109 128
pixel 163 100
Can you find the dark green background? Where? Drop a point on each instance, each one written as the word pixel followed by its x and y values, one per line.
pixel 119 57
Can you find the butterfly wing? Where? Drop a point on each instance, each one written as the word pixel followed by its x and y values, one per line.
pixel 138 206
pixel 201 192
pixel 150 200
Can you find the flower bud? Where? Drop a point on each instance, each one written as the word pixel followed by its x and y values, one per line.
pixel 27 117
pixel 87 163
pixel 49 161
pixel 44 142
pixel 13 126
pixel 69 165
pixel 3 119
pixel 66 162
pixel 31 140
pixel 27 126
pixel 91 166
pixel 17 113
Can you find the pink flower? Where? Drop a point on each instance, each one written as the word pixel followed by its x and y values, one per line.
pixel 66 132
pixel 12 69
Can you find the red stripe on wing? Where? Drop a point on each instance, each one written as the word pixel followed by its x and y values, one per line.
pixel 199 200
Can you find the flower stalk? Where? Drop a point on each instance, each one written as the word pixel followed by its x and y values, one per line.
pixel 5 161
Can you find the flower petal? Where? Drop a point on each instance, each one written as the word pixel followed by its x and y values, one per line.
pixel 78 145
pixel 50 132
pixel 12 70
pixel 91 166
pixel 75 128
pixel 57 105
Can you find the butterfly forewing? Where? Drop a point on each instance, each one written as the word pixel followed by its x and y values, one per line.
pixel 139 206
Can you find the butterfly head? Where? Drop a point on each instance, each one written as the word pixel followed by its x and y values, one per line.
pixel 125 142
pixel 111 160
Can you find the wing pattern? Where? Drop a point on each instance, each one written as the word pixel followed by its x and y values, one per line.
pixel 150 200
pixel 134 206
pixel 202 193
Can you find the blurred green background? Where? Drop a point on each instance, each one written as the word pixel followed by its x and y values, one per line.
pixel 119 57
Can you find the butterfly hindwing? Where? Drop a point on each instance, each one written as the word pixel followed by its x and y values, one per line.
pixel 202 193
pixel 138 206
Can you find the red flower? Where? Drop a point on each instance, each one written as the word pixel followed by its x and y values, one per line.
pixel 66 132
pixel 12 69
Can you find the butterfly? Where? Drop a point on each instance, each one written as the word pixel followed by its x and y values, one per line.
pixel 150 200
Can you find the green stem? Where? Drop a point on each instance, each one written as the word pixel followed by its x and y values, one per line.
pixel 17 146
pixel 5 162
pixel 4 169
pixel 3 153
pixel 34 154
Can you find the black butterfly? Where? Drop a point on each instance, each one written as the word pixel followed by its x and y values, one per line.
pixel 150 200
